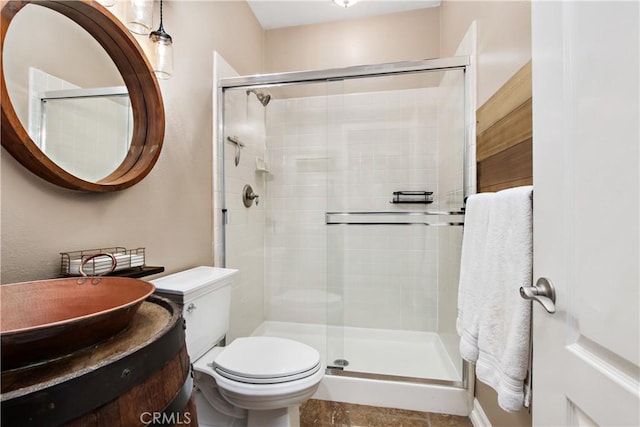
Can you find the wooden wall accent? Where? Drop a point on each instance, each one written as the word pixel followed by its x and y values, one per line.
pixel 505 135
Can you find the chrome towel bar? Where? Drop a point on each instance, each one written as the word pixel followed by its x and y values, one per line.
pixel 394 218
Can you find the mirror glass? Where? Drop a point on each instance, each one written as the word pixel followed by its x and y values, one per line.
pixel 67 93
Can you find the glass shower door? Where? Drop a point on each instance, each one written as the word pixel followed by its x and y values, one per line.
pixel 361 183
pixel 395 188
pixel 296 294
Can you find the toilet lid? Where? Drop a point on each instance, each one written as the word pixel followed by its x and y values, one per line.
pixel 267 358
pixel 273 380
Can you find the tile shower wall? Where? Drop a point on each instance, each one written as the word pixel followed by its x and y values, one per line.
pixel 245 226
pixel 244 120
pixel 296 241
pixel 345 153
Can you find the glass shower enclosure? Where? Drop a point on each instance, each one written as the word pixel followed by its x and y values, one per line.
pixel 355 236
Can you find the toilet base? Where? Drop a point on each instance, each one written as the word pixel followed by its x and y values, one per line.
pixel 208 416
pixel 284 417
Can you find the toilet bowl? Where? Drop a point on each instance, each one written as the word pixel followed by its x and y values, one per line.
pixel 268 377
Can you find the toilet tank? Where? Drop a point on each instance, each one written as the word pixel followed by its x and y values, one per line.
pixel 204 294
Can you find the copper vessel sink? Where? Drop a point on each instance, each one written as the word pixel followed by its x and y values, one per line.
pixel 47 319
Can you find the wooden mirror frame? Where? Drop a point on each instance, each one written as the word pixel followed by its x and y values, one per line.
pixel 138 76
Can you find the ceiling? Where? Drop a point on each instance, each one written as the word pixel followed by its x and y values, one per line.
pixel 288 13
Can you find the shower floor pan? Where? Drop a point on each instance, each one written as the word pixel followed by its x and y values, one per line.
pixel 409 354
pixel 380 362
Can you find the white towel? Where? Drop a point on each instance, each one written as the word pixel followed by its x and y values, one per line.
pixel 470 290
pixel 499 326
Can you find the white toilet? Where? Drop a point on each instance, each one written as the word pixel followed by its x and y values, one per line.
pixel 262 378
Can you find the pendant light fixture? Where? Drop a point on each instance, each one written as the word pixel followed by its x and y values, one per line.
pixel 162 51
pixel 345 3
pixel 139 16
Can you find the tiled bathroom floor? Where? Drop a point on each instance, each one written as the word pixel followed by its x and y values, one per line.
pixel 321 413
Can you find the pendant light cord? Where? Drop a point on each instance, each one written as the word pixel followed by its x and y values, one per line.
pixel 161 29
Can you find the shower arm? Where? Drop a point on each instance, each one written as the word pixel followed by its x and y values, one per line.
pixel 264 98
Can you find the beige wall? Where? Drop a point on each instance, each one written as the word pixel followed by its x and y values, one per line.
pixel 396 37
pixel 489 401
pixel 504 38
pixel 169 212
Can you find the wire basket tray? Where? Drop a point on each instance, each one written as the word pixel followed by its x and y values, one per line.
pixel 70 262
pixel 424 197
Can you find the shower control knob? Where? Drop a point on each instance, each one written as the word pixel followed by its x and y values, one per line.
pixel 248 196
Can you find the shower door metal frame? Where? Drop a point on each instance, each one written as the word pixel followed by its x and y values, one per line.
pixel 344 73
pixel 353 72
pixel 310 76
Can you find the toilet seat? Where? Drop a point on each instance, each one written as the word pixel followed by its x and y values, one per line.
pixel 266 360
pixel 283 383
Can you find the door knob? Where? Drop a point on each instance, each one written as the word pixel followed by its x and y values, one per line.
pixel 543 292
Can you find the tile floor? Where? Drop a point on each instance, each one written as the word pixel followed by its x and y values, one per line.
pixel 321 413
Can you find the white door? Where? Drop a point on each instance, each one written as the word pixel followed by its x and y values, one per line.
pixel 586 218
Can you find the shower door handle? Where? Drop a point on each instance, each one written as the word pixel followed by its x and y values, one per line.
pixel 543 292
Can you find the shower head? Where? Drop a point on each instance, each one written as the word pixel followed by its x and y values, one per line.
pixel 264 98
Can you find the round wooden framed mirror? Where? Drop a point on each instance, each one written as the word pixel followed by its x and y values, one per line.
pixel 147 110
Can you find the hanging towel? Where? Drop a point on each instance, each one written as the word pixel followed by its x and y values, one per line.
pixel 470 290
pixel 501 324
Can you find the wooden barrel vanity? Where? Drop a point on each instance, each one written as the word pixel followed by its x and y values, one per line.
pixel 141 376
